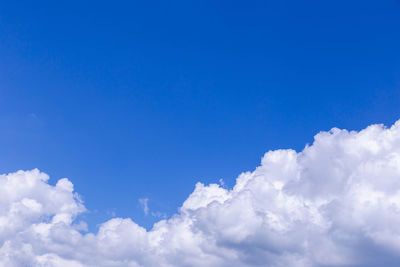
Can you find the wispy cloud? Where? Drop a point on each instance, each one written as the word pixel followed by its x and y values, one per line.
pixel 144 204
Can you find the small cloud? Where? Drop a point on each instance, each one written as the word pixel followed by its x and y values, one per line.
pixel 158 214
pixel 32 115
pixel 221 182
pixel 144 204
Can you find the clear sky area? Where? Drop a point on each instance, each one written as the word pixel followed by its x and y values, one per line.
pixel 143 99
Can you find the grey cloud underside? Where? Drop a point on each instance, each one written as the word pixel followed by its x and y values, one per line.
pixel 336 203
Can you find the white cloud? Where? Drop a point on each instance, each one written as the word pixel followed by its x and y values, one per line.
pixel 144 202
pixel 336 203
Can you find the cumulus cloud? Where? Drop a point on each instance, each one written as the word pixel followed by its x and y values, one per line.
pixel 336 203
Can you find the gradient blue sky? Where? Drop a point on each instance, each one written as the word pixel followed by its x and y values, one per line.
pixel 135 99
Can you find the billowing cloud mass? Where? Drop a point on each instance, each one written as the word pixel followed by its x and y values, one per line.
pixel 336 203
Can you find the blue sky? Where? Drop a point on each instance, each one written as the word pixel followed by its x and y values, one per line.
pixel 143 99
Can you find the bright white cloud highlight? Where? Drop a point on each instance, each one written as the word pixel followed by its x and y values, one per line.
pixel 336 203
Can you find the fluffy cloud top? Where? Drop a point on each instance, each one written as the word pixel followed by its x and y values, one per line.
pixel 336 203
